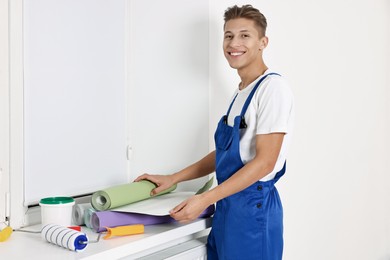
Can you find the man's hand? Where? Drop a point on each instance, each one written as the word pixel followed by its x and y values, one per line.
pixel 163 182
pixel 190 209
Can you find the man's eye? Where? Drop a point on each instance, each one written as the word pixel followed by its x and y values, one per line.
pixel 228 37
pixel 245 35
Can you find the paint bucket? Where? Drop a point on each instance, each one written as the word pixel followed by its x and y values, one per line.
pixel 57 210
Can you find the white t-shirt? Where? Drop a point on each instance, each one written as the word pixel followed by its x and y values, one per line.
pixel 270 111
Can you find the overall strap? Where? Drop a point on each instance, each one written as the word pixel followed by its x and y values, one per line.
pixel 231 104
pixel 280 173
pixel 249 99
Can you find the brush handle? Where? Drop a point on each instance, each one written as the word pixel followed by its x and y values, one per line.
pixel 124 230
pixel 5 233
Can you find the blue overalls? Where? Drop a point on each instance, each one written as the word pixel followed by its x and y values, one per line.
pixel 249 224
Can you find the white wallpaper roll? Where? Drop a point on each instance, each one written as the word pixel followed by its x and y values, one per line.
pixel 87 217
pixel 79 212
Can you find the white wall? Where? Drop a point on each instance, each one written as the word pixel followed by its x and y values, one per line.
pixel 168 77
pixel 336 192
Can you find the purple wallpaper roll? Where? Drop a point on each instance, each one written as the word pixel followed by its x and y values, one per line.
pixel 102 219
pixel 208 212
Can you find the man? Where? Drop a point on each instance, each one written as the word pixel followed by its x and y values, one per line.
pixel 251 149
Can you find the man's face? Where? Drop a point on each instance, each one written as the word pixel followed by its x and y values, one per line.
pixel 242 44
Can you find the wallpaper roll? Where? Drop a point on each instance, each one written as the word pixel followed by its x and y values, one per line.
pixel 124 194
pixel 208 212
pixel 78 213
pixel 102 219
pixel 87 216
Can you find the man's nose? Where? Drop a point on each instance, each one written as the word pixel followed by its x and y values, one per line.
pixel 235 42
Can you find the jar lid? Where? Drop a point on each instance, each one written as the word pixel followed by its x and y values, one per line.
pixel 56 200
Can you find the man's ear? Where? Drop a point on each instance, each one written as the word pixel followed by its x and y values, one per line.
pixel 263 42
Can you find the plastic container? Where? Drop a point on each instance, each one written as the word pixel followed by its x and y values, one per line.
pixel 57 210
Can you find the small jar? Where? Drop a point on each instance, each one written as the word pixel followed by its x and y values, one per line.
pixel 57 210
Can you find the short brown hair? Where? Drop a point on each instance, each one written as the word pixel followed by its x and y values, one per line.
pixel 247 12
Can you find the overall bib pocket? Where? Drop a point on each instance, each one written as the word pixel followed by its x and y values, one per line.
pixel 224 138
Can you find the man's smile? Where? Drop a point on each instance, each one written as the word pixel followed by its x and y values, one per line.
pixel 236 53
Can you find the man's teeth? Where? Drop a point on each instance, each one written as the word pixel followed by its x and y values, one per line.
pixel 236 53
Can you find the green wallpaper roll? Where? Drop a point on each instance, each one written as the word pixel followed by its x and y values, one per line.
pixel 124 194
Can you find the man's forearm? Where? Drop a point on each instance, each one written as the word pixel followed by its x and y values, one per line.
pixel 199 169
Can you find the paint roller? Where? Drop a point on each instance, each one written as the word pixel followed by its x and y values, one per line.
pixel 72 239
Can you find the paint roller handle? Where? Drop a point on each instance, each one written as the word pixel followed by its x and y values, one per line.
pixel 124 230
pixel 5 233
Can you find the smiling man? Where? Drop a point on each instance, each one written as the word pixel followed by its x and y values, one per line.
pixel 251 144
pixel 244 42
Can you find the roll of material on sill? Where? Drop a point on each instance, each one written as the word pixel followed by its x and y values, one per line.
pixel 124 194
pixel 79 212
pixel 102 219
pixel 88 216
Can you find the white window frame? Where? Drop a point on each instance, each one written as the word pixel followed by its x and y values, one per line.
pixel 16 185
pixel 4 109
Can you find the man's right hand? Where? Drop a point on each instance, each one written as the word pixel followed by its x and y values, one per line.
pixel 163 182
